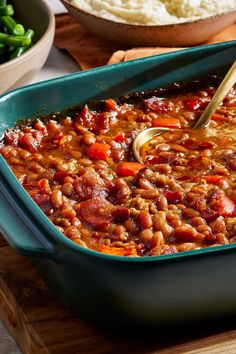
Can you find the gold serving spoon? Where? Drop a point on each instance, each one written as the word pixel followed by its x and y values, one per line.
pixel 222 91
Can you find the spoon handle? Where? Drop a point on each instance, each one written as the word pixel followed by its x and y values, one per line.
pixel 220 94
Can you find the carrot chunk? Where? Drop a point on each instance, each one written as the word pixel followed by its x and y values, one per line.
pixel 166 123
pixel 217 117
pixel 214 179
pixel 118 251
pixel 125 169
pixel 99 151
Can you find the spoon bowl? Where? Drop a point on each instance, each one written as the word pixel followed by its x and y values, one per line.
pixel 144 137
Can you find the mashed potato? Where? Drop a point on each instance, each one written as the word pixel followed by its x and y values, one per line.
pixel 154 12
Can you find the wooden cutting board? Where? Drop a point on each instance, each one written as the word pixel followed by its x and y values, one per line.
pixel 42 325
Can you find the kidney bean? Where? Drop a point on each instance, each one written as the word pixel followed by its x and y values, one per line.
pixel 218 225
pixel 161 168
pixel 76 222
pixel 88 139
pixel 157 239
pixel 38 157
pixel 221 238
pixel 36 167
pixel 145 184
pixel 67 188
pixel 160 224
pixel 121 232
pixel 146 235
pixel 76 154
pixel 67 122
pixel 24 154
pixel 53 127
pixel 190 213
pixel 15 161
pixel 68 213
pixel 187 246
pixel 150 193
pixel 8 151
pixel 203 229
pixel 197 220
pixel 85 162
pixel 144 219
pixel 131 226
pixel 56 198
pixel 162 203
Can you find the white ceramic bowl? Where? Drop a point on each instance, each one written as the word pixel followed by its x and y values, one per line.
pixel 177 35
pixel 40 17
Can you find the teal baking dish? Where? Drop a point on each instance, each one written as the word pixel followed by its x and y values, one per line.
pixel 142 292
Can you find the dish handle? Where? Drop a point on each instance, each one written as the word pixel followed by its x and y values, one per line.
pixel 19 230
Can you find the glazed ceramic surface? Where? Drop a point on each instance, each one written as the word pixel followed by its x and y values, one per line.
pixel 139 292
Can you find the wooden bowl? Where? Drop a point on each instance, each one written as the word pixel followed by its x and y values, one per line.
pixel 40 17
pixel 176 35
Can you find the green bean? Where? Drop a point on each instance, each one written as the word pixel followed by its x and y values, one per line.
pixel 2 47
pixel 30 34
pixel 18 51
pixel 14 41
pixel 9 23
pixel 19 30
pixel 6 10
pixel 12 26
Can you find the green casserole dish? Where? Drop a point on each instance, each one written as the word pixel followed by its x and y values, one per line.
pixel 112 290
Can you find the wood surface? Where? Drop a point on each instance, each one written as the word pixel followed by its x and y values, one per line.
pixel 41 325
